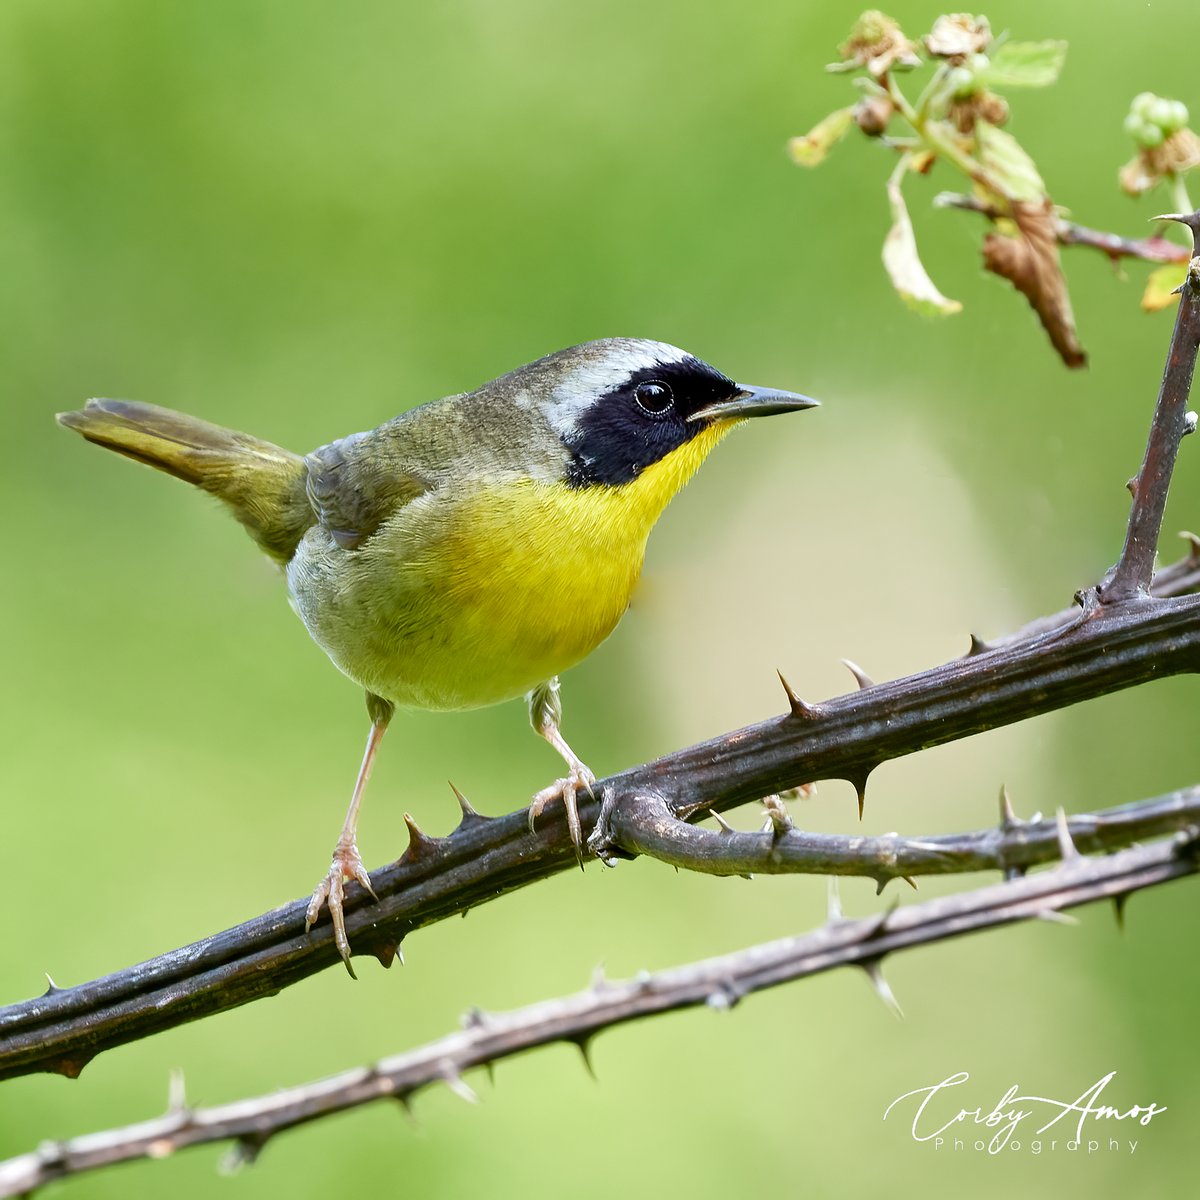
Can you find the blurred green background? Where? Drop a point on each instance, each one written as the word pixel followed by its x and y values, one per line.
pixel 299 218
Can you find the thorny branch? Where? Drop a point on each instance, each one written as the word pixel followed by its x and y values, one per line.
pixel 1105 648
pixel 1120 635
pixel 646 825
pixel 1130 578
pixel 716 982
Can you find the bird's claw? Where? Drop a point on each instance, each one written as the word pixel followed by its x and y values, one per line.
pixel 580 779
pixel 347 864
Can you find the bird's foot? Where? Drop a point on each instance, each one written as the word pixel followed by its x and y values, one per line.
pixel 580 779
pixel 347 864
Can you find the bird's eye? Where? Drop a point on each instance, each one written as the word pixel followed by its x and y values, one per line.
pixel 653 397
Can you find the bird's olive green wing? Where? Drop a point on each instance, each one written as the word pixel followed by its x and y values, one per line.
pixel 356 483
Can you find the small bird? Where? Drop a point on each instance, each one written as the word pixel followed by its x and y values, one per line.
pixel 473 548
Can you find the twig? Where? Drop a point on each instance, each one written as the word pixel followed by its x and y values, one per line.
pixel 645 825
pixel 1109 644
pixel 1106 648
pixel 1068 233
pixel 716 982
pixel 1131 576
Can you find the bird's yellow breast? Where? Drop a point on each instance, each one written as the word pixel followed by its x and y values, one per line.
pixel 476 595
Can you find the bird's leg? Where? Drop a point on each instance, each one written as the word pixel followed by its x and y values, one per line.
pixel 347 863
pixel 545 715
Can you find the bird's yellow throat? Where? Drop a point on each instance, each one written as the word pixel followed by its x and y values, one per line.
pixel 543 572
pixel 627 512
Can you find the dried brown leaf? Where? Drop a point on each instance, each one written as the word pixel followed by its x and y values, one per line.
pixel 1030 262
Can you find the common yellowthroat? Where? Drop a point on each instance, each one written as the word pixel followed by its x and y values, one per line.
pixel 471 549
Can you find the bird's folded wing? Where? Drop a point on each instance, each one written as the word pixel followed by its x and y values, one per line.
pixel 353 487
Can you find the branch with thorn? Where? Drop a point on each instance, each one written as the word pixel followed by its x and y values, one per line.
pixel 1129 628
pixel 645 825
pixel 718 983
pixel 1102 648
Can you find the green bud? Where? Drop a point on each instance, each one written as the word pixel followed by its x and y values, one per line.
pixel 1151 136
pixel 1159 113
pixel 1134 125
pixel 1177 116
pixel 1142 102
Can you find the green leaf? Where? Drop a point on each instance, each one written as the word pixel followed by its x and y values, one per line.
pixel 904 265
pixel 1009 170
pixel 1162 286
pixel 810 150
pixel 1025 64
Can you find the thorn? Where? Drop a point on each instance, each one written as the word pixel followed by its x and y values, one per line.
pixel 584 1045
pixel 879 925
pixel 469 814
pixel 420 844
pixel 912 883
pixel 800 710
pixel 875 974
pixel 455 1082
pixel 833 901
pixel 1017 872
pixel 881 881
pixel 1008 818
pixel 1067 848
pixel 860 787
pixel 720 820
pixel 387 953
pixel 243 1153
pixel 599 979
pixel 473 1018
pixel 490 1068
pixel 1055 917
pixel 71 1067
pixel 1131 487
pixel 51 986
pixel 176 1093
pixel 404 1099
pixel 1118 902
pixel 864 680
pixel 1188 219
pixel 977 646
pixel 1193 545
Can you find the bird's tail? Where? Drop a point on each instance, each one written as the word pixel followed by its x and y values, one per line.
pixel 263 484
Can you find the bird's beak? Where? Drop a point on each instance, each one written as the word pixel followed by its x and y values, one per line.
pixel 753 402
